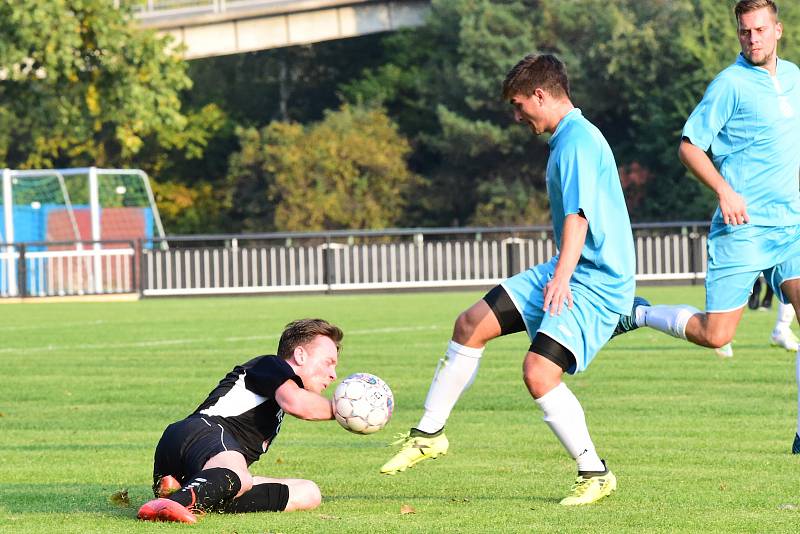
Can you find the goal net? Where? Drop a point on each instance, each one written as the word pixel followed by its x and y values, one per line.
pixel 89 212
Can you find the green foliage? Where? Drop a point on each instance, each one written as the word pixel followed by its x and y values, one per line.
pixel 347 171
pixel 442 83
pixel 81 85
pixel 637 69
pixel 189 210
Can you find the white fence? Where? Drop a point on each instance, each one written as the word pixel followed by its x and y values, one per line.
pixel 398 259
pixel 68 269
pixel 320 262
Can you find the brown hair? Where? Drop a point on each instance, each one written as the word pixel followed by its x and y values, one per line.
pixel 746 6
pixel 544 71
pixel 304 331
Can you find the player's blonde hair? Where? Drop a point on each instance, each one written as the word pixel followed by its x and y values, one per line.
pixel 304 331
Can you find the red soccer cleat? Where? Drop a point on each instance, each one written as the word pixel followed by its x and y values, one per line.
pixel 165 510
pixel 167 486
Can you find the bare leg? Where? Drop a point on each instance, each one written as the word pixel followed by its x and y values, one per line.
pixel 457 370
pixel 303 494
pixel 476 326
pixel 713 329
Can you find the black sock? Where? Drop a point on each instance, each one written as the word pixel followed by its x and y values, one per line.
pixel 589 474
pixel 208 488
pixel 417 433
pixel 262 498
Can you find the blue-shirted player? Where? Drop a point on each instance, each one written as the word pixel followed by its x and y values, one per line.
pixel 569 306
pixel 749 120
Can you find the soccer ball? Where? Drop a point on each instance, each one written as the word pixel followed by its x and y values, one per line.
pixel 363 403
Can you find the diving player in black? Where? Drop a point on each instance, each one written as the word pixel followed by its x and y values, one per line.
pixel 207 454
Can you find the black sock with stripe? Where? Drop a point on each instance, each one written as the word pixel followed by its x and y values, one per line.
pixel 208 488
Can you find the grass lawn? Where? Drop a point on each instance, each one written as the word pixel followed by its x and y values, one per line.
pixel 698 444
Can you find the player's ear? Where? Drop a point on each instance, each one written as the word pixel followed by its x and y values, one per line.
pixel 299 354
pixel 778 31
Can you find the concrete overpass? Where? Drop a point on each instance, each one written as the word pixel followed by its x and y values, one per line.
pixel 218 27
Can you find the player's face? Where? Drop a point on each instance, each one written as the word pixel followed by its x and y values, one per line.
pixel 529 110
pixel 318 370
pixel 759 33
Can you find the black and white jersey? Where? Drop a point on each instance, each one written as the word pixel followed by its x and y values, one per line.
pixel 244 403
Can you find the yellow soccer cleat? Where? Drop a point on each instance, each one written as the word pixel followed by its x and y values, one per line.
pixel 588 489
pixel 416 446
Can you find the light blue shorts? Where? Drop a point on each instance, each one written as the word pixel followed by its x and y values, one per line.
pixel 583 329
pixel 737 255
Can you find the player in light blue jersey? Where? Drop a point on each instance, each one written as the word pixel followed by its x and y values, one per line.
pixel 749 120
pixel 569 306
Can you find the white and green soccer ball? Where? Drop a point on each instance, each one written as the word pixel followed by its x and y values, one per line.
pixel 363 403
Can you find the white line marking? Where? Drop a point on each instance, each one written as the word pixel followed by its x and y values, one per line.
pixel 201 341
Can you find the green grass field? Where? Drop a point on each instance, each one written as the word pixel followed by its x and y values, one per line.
pixel 698 444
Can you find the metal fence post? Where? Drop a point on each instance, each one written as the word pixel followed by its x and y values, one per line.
pixel 142 270
pixel 695 254
pixel 137 247
pixel 513 255
pixel 22 273
pixel 329 269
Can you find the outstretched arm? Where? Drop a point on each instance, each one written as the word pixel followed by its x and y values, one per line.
pixel 731 204
pixel 303 404
pixel 556 291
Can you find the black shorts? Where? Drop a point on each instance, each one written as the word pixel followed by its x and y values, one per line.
pixel 511 322
pixel 507 314
pixel 187 445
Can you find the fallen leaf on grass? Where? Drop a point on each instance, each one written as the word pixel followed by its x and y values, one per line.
pixel 406 509
pixel 278 460
pixel 120 498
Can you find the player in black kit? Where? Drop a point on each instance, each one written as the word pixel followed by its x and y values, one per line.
pixel 205 457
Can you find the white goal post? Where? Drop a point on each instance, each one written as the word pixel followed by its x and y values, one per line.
pixel 57 213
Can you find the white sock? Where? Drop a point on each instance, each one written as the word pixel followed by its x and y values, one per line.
pixel 785 317
pixel 797 377
pixel 454 374
pixel 671 320
pixel 565 417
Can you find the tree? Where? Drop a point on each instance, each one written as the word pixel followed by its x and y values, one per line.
pixel 347 171
pixel 442 82
pixel 81 85
pixel 637 70
pixel 84 86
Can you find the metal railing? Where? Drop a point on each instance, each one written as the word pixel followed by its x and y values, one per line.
pixel 391 259
pixel 68 268
pixel 321 262
pixel 149 8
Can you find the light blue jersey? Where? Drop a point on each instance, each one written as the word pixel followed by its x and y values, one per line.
pixel 751 122
pixel 582 176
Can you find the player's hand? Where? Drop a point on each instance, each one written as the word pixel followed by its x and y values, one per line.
pixel 556 293
pixel 733 208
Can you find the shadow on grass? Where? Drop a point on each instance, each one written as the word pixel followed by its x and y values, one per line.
pixel 70 498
